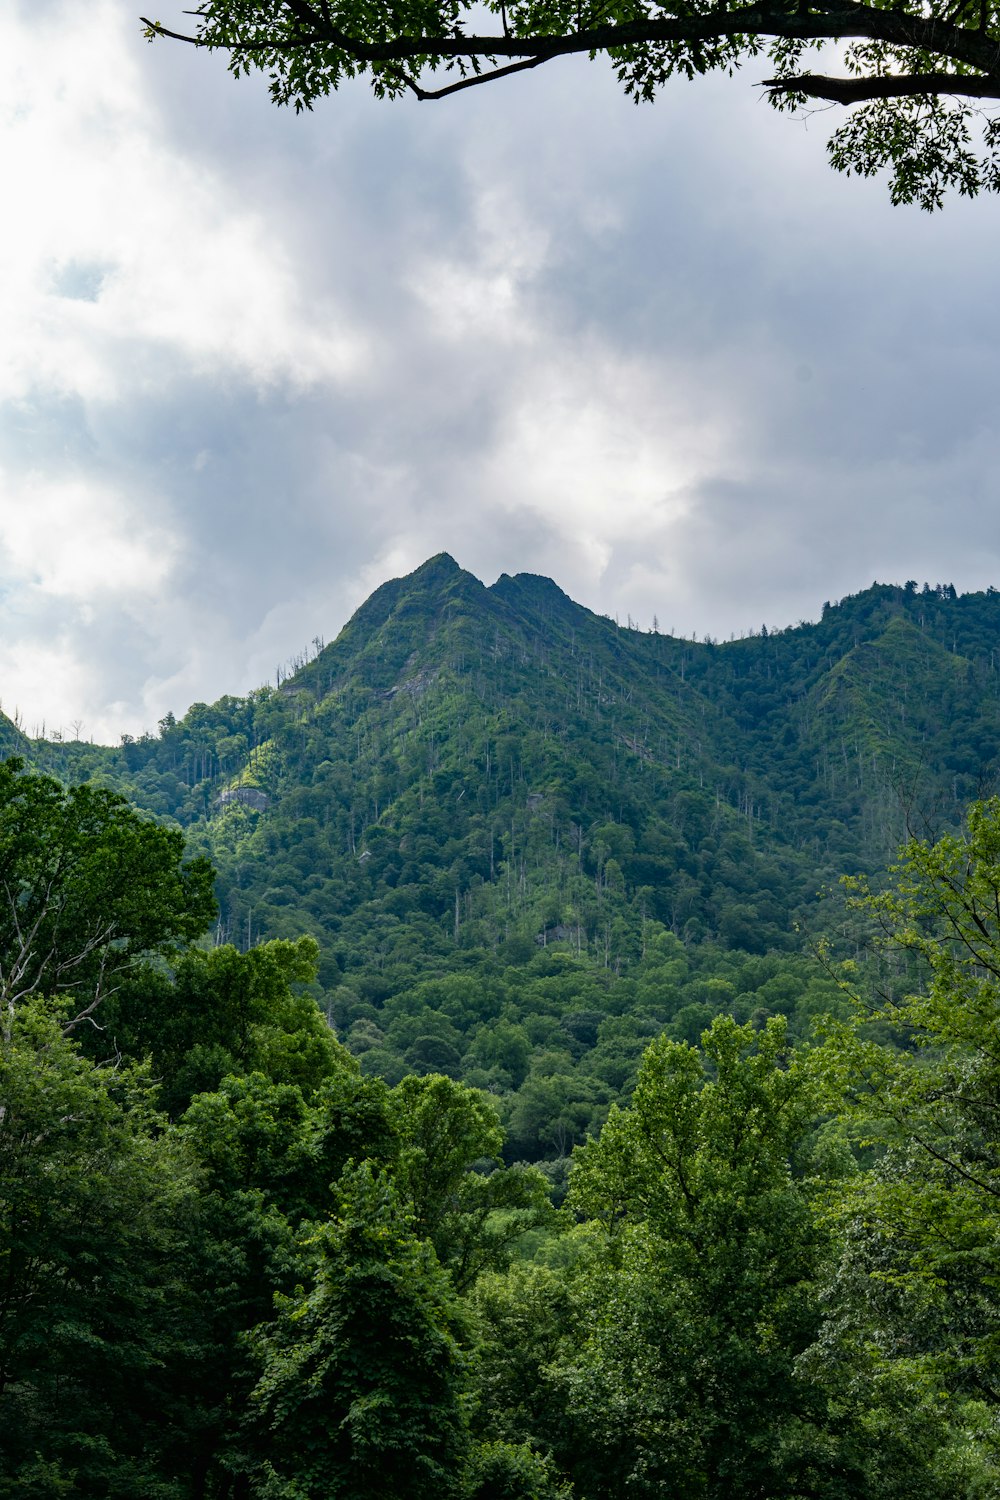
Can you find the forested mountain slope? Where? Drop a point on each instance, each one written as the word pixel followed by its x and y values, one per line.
pixel 528 839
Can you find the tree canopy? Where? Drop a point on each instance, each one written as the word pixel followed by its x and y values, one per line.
pixel 921 73
pixel 244 1261
pixel 236 1267
pixel 87 887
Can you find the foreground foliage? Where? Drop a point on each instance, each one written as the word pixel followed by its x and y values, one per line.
pixel 914 1304
pixel 919 73
pixel 235 1267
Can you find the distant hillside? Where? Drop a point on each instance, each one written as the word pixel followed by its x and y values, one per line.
pixel 496 794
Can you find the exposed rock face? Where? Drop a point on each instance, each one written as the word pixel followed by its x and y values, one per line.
pixel 416 686
pixel 250 796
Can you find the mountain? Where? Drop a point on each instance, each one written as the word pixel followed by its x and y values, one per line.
pixel 520 831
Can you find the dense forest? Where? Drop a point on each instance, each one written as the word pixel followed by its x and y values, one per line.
pixel 461 1068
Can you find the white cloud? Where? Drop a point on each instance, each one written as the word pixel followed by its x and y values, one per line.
pixel 251 364
pixel 604 443
pixel 182 276
pixel 81 569
pixel 48 685
pixel 481 293
pixel 74 540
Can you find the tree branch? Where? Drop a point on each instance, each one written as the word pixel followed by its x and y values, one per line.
pixel 899 86
pixel 473 81
pixel 838 20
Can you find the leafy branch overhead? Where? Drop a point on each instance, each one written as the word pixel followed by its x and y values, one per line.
pixel 921 73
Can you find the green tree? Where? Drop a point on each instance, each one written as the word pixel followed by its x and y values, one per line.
pixel 554 1112
pixel 914 1297
pixel 270 1160
pixel 87 887
pixel 513 1471
pixel 361 1374
pixel 530 1322
pixel 702 1297
pixel 99 1321
pixel 222 1011
pixel 920 73
pixel 471 1209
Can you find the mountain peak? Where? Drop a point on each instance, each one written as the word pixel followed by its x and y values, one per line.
pixel 534 586
pixel 441 566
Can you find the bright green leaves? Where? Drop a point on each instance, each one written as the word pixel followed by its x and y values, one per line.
pixel 444 1129
pixel 935 1091
pixel 944 905
pixel 514 1471
pixel 255 1135
pixel 86 887
pixel 470 1209
pixel 705 1295
pixel 913 1302
pixel 704 1126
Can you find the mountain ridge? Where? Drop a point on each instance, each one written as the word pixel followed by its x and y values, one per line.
pixel 528 839
pixel 890 685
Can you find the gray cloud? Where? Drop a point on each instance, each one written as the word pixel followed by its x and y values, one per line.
pixel 662 354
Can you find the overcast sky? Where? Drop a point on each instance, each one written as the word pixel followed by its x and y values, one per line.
pixel 253 364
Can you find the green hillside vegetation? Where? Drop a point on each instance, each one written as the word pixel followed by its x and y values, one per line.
pixel 528 840
pixel 531 1115
pixel 235 1267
